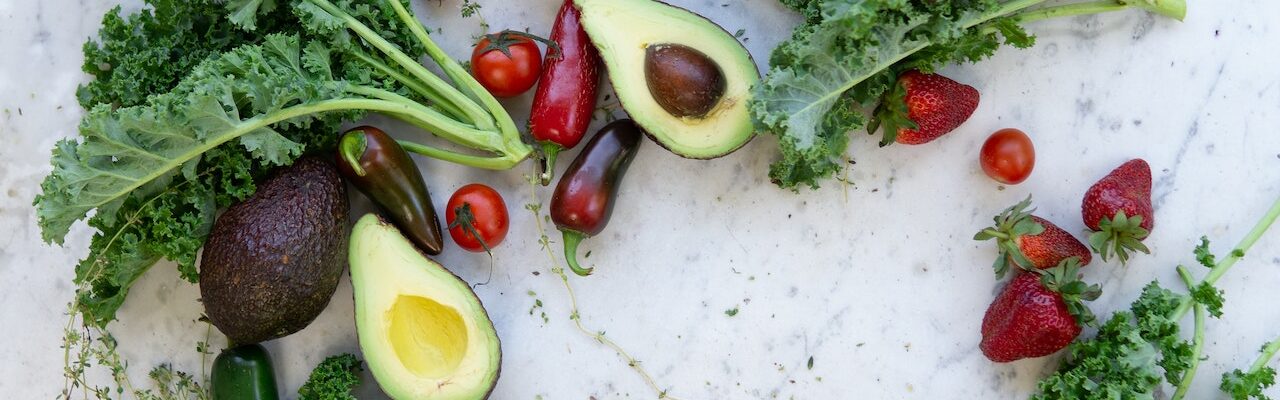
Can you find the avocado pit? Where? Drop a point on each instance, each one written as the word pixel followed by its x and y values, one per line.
pixel 684 81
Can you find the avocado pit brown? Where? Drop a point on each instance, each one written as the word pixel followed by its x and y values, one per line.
pixel 683 80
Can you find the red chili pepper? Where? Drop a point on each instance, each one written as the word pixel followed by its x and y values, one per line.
pixel 566 96
pixel 584 198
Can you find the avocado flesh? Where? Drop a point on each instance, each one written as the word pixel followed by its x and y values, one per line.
pixel 624 29
pixel 423 332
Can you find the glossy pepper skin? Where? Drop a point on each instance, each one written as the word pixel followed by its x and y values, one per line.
pixel 584 198
pixel 566 96
pixel 377 165
pixel 243 373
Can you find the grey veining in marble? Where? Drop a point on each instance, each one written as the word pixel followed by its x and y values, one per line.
pixel 877 281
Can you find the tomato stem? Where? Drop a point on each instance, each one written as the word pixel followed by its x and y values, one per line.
pixel 463 217
pixel 502 41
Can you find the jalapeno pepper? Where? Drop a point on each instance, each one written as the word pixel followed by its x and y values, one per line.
pixel 566 96
pixel 243 373
pixel 584 198
pixel 378 166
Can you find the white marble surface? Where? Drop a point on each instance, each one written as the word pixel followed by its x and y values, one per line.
pixel 879 281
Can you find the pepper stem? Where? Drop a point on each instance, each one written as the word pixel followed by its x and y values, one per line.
pixel 352 148
pixel 549 152
pixel 571 241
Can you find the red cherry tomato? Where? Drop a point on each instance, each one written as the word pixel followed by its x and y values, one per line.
pixel 1008 156
pixel 480 209
pixel 502 74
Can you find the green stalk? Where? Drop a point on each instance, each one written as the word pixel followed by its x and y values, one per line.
pixel 1267 352
pixel 463 79
pixel 478 115
pixel 433 96
pixel 493 163
pixel 1197 340
pixel 438 124
pixel 255 123
pixel 1069 10
pixel 1236 254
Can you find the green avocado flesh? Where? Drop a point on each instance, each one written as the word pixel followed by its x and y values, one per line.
pixel 423 332
pixel 713 119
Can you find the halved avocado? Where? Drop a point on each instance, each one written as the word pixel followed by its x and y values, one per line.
pixel 423 332
pixel 681 77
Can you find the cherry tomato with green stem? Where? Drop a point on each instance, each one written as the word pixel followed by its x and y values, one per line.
pixel 1008 156
pixel 508 63
pixel 477 218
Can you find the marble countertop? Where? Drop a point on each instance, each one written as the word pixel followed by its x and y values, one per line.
pixel 878 282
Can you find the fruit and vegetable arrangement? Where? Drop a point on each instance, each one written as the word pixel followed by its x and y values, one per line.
pixel 228 157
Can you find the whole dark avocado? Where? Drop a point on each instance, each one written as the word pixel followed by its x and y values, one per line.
pixel 273 261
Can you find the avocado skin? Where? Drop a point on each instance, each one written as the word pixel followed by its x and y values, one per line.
pixel 273 261
pixel 634 110
pixel 379 222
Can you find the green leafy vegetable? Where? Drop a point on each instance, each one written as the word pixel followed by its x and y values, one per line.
pixel 150 51
pixel 1243 385
pixel 156 172
pixel 1138 349
pixel 333 379
pixel 849 53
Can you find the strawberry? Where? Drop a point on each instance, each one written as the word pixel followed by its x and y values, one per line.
pixel 1037 314
pixel 923 107
pixel 1031 242
pixel 1118 210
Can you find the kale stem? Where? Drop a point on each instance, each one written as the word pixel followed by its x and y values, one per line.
pixel 1069 10
pixel 482 119
pixel 463 80
pixel 1264 358
pixel 431 94
pixel 493 163
pixel 1236 254
pixel 1004 10
pixel 439 124
pixel 1196 349
pixel 1197 340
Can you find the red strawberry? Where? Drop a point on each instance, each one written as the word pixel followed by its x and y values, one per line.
pixel 1037 314
pixel 1031 242
pixel 923 107
pixel 1118 210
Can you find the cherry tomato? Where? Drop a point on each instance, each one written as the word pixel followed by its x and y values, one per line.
pixel 477 208
pixel 1008 156
pixel 509 73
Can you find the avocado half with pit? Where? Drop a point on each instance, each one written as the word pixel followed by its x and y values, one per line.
pixel 423 332
pixel 681 77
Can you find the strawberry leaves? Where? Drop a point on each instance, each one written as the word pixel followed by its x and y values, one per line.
pixel 892 114
pixel 1118 236
pixel 1012 223
pixel 1065 280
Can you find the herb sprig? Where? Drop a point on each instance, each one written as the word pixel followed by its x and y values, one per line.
pixel 535 207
